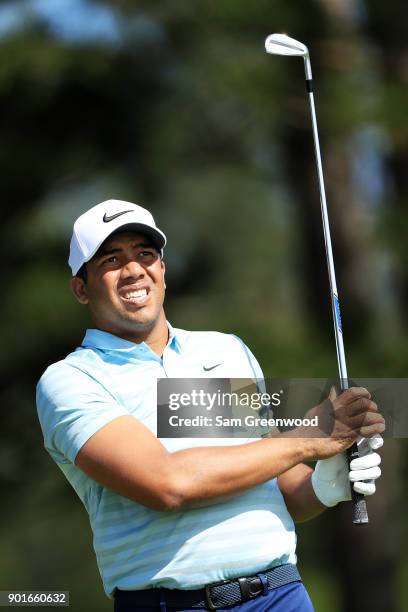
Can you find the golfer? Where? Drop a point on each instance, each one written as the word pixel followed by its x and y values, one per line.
pixel 180 526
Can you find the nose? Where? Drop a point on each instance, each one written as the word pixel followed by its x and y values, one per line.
pixel 132 268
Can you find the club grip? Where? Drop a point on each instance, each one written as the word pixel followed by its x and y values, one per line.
pixel 359 506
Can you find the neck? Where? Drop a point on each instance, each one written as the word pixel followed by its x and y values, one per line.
pixel 156 337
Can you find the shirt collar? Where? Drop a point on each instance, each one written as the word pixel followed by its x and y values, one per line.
pixel 174 338
pixel 96 338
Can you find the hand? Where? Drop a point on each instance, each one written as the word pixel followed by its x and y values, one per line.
pixel 342 419
pixel 331 477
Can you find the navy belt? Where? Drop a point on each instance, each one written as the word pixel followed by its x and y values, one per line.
pixel 214 596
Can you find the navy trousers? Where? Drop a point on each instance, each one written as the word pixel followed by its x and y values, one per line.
pixel 291 597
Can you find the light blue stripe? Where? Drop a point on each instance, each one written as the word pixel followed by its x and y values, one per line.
pixel 196 515
pixel 227 545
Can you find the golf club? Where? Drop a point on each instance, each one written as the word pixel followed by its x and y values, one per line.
pixel 280 44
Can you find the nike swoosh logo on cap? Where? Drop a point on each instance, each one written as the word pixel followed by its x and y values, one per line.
pixel 107 218
pixel 212 367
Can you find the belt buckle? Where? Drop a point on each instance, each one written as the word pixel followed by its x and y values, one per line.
pixel 246 586
pixel 208 587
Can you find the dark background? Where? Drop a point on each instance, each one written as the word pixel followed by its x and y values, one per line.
pixel 175 105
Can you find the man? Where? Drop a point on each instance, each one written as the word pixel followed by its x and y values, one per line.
pixel 173 520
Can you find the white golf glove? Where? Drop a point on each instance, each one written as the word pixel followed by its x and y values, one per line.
pixel 331 477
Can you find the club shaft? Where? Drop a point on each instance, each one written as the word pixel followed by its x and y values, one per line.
pixel 360 516
pixel 341 357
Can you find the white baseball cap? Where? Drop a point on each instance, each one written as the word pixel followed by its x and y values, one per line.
pixel 93 227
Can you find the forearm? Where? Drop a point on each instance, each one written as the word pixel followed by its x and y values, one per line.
pixel 127 458
pixel 204 476
pixel 297 490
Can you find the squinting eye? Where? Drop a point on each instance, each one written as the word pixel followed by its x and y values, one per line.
pixel 112 259
pixel 146 254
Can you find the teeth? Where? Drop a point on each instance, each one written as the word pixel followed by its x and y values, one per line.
pixel 136 294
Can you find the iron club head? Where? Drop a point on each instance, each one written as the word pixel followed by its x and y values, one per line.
pixel 281 44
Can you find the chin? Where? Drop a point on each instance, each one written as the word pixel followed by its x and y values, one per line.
pixel 141 323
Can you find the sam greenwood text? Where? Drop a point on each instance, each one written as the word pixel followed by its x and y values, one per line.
pixel 248 421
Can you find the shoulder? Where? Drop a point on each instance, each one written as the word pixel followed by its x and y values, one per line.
pixel 72 375
pixel 56 374
pixel 60 370
pixel 209 338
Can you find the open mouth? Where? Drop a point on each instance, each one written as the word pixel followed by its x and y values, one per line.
pixel 138 297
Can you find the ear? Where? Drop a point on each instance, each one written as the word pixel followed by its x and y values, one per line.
pixel 163 267
pixel 78 288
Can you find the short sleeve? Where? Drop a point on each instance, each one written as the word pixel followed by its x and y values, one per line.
pixel 72 406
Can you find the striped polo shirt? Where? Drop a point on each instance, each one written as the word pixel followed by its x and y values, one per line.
pixel 137 547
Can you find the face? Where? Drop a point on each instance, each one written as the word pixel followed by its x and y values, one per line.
pixel 125 287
